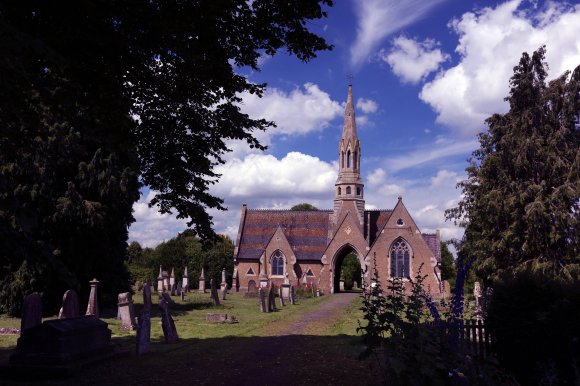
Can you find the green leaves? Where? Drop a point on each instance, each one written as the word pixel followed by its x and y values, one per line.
pixel 520 201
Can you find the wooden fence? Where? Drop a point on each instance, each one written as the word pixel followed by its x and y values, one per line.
pixel 475 339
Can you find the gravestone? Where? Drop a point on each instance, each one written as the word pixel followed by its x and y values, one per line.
pixel 251 286
pixel 144 323
pixel 167 323
pixel 224 291
pixel 272 298
pixel 126 310
pixel 172 279
pixel 62 342
pixel 285 291
pixel 182 296
pixel 354 285
pixel 167 298
pixel 281 298
pixel 173 289
pixel 263 276
pixel 70 305
pixel 166 286
pixel 223 283
pixel 292 296
pixel 213 293
pixel 216 318
pixel 185 281
pixel 93 306
pixel 160 281
pixel 202 282
pixel 31 312
pixel 262 299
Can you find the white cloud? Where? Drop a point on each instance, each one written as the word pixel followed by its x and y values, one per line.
pixel 150 227
pixel 412 60
pixel 300 111
pixel 367 105
pixel 377 19
pixel 431 153
pixel 491 42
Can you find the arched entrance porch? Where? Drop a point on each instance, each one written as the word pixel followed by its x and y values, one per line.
pixel 346 265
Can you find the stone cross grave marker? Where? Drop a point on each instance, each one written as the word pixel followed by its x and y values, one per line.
pixel 31 312
pixel 144 323
pixel 167 323
pixel 126 310
pixel 70 305
pixel 262 299
pixel 93 305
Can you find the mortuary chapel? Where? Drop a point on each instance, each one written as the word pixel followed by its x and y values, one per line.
pixel 306 248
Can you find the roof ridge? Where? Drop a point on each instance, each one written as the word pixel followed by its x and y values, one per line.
pixel 289 210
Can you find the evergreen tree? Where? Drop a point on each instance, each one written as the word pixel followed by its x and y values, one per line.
pixel 96 95
pixel 448 270
pixel 520 207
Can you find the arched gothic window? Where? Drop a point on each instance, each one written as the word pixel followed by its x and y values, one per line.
pixel 339 191
pixel 348 159
pixel 358 191
pixel 342 159
pixel 277 263
pixel 400 258
pixel 348 190
pixel 354 159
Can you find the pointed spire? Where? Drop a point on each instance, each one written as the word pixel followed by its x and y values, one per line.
pixel 349 128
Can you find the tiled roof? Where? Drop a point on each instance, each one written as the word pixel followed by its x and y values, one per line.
pixel 432 242
pixel 306 231
pixel 375 220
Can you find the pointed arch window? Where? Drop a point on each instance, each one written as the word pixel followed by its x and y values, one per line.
pixel 277 263
pixel 342 159
pixel 348 159
pixel 348 190
pixel 400 256
pixel 355 159
pixel 339 191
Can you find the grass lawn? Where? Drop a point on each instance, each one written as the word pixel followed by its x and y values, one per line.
pixel 244 353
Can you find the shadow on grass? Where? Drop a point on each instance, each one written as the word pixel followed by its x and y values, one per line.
pixel 278 360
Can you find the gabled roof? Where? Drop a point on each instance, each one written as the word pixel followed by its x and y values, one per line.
pixel 375 221
pixel 433 242
pixel 307 232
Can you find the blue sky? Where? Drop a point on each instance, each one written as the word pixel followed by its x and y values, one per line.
pixel 426 75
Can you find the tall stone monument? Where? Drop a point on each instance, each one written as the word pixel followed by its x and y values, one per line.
pixel 167 323
pixel 185 281
pixel 93 305
pixel 214 294
pixel 263 276
pixel 172 282
pixel 144 324
pixel 224 284
pixel 126 311
pixel 202 281
pixel 160 282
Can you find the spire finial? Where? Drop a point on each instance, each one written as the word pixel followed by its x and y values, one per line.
pixel 350 77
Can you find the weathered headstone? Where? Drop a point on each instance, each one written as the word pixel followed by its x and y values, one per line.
pixel 202 281
pixel 223 283
pixel 354 285
pixel 214 293
pixel 93 305
pixel 160 281
pixel 167 298
pixel 166 285
pixel 167 323
pixel 144 323
pixel 263 276
pixel 224 291
pixel 285 291
pixel 292 296
pixel 126 310
pixel 172 279
pixel 185 281
pixel 281 298
pixel 272 298
pixel 70 305
pixel 235 280
pixel 262 299
pixel 31 311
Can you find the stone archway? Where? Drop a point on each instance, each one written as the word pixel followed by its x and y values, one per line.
pixel 337 265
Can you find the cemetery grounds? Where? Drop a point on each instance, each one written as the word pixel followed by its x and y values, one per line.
pixel 312 342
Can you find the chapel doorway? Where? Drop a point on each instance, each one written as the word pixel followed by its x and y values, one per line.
pixel 347 269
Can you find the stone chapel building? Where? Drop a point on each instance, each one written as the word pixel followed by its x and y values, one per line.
pixel 308 247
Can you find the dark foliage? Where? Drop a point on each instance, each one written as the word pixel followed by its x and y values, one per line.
pixel 304 206
pixel 534 320
pixel 98 94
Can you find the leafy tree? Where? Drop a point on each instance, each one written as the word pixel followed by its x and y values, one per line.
pixel 95 95
pixel 304 206
pixel 448 270
pixel 350 270
pixel 520 207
